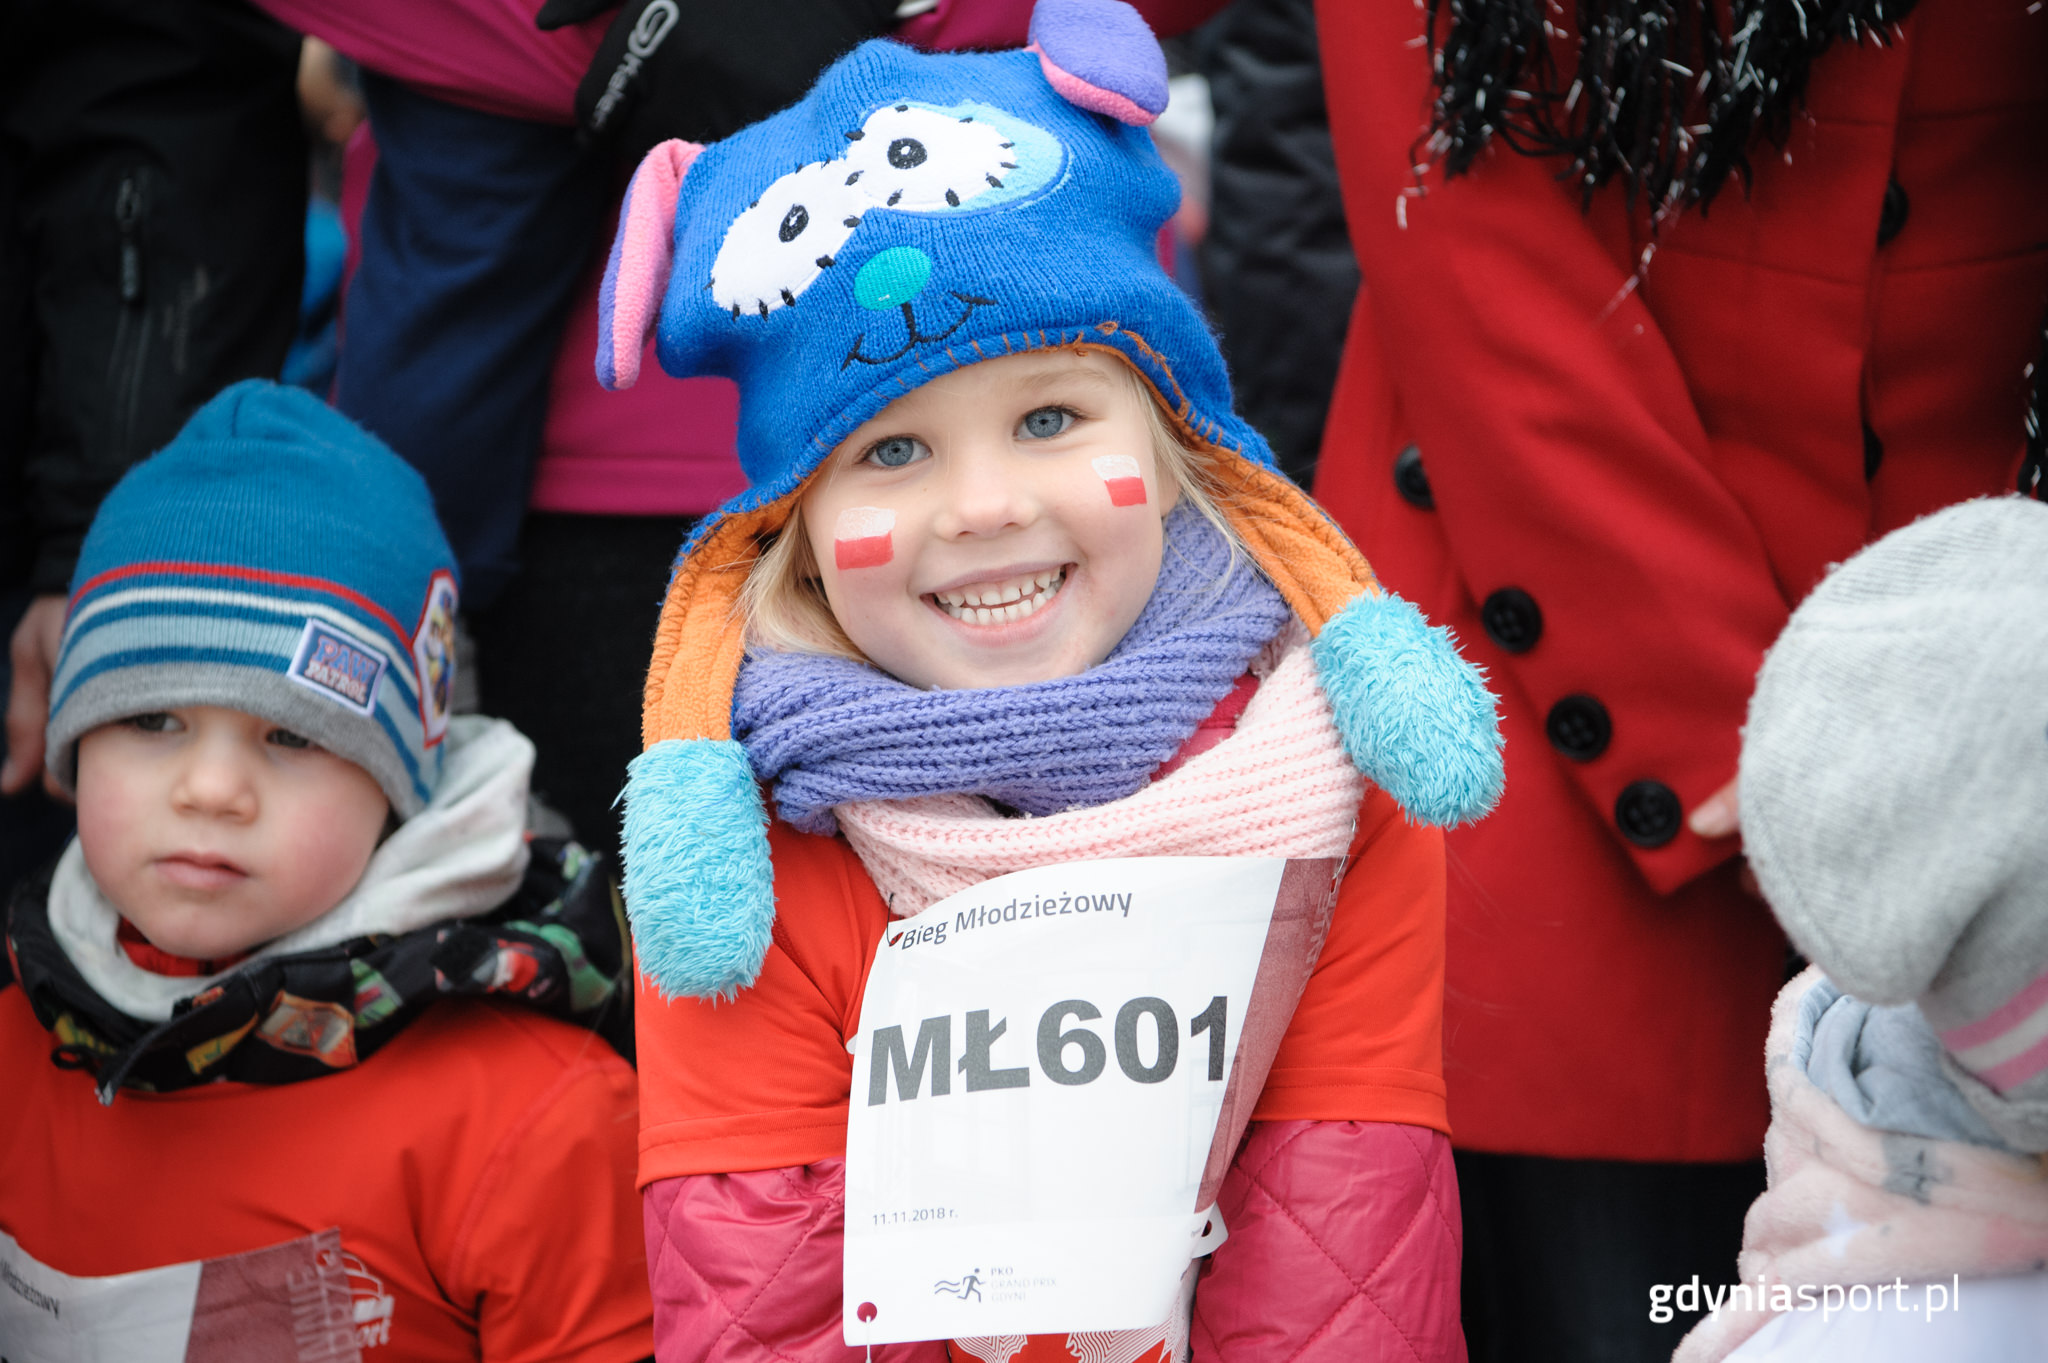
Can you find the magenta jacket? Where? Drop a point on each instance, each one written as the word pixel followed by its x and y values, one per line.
pixel 658 449
pixel 1343 1248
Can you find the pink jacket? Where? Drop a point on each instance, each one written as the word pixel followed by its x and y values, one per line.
pixel 486 54
pixel 657 449
pixel 1343 1247
pixel 481 54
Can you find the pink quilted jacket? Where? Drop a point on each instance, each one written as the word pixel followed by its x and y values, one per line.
pixel 1344 1247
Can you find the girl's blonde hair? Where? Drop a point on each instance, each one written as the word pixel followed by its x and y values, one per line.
pixel 784 600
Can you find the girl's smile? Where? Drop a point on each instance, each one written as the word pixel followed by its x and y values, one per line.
pixel 999 525
pixel 1001 602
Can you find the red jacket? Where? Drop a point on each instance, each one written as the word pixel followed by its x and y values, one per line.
pixel 1618 493
pixel 477 1171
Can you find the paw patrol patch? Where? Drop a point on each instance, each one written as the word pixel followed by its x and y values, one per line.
pixel 338 666
pixel 433 655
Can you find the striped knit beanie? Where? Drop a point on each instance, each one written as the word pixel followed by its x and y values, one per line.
pixel 276 559
pixel 912 215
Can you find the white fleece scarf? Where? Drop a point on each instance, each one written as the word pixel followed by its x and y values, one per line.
pixel 464 854
pixel 1847 1204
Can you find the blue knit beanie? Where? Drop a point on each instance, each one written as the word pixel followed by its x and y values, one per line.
pixel 914 214
pixel 276 559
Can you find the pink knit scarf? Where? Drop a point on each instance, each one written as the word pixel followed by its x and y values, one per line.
pixel 1280 786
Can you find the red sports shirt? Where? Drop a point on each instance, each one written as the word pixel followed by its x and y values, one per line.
pixel 762 1083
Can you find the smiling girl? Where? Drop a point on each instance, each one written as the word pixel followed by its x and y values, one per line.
pixel 979 531
pixel 1020 596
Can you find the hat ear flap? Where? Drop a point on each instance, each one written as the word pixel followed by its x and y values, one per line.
pixel 1100 55
pixel 636 275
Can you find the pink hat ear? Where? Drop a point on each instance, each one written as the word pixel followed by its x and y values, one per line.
pixel 636 276
pixel 1101 56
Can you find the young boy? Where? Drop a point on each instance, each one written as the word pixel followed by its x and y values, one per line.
pixel 234 1125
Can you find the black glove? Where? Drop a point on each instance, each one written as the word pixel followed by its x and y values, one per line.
pixel 704 69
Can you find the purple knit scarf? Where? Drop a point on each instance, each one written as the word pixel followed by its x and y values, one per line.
pixel 826 731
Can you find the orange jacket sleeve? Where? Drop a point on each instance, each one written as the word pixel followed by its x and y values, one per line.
pixel 762 1082
pixel 1366 1042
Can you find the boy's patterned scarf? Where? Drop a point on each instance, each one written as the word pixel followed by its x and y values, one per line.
pixel 558 944
pixel 825 731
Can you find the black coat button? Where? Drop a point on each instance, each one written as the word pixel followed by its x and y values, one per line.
pixel 1512 619
pixel 1411 480
pixel 1891 219
pixel 1579 727
pixel 1647 813
pixel 1873 453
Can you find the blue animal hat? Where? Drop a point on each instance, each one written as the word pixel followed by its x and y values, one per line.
pixel 278 559
pixel 912 215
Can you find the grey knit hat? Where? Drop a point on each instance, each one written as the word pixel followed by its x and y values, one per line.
pixel 1894 790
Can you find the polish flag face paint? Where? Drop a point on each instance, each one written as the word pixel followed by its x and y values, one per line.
pixel 862 537
pixel 1119 473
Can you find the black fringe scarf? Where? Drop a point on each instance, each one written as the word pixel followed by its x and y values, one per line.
pixel 1667 96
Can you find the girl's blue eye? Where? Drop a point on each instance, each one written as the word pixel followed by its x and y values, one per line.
pixel 285 738
pixel 1045 423
pixel 895 452
pixel 155 722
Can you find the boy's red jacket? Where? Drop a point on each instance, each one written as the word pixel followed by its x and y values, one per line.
pixel 1631 484
pixel 479 1168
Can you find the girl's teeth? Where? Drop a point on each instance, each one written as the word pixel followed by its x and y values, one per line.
pixel 1002 602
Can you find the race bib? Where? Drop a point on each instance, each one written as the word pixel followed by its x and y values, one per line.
pixel 1045 1069
pixel 290 1303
